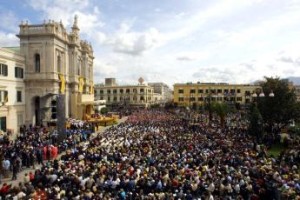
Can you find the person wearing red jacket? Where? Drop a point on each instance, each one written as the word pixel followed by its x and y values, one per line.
pixel 4 190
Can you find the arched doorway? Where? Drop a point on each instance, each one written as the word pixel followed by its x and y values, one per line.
pixel 37 111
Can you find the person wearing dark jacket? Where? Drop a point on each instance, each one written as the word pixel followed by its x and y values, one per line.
pixel 15 169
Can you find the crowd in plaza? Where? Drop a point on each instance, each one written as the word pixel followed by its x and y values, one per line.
pixel 34 145
pixel 158 155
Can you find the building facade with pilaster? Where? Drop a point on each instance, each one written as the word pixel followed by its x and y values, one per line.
pixel 57 63
pixel 12 90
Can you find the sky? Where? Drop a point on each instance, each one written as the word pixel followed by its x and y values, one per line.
pixel 174 41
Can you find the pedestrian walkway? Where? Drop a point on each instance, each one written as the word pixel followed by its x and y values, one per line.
pixel 21 174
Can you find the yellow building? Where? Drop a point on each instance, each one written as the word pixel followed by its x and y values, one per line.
pixel 189 94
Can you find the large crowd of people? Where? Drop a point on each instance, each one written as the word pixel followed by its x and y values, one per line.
pixel 33 145
pixel 157 155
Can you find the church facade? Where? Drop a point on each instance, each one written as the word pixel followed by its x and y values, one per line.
pixel 58 70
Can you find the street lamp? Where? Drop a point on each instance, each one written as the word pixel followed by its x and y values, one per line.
pixel 262 94
pixel 257 119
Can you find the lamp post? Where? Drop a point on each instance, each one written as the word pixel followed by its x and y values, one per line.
pixel 256 120
pixel 262 94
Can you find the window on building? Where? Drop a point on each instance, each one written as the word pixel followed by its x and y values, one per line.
pixel 115 98
pixel 180 91
pixel 59 64
pixel 3 124
pixel 19 72
pixel 101 98
pixel 247 93
pixel 108 91
pixel 142 98
pixel 142 90
pixel 232 91
pixel 3 96
pixel 200 98
pixel 219 91
pixel 3 69
pixel 206 91
pixel 101 91
pixel 225 91
pixel 78 66
pixel 115 91
pixel 200 91
pixel 19 96
pixel 213 91
pixel 180 99
pixel 232 98
pixel 239 99
pixel 192 91
pixel 108 98
pixel 192 99
pixel 37 63
pixel 134 90
pixel 127 91
pixel 238 91
pixel 121 91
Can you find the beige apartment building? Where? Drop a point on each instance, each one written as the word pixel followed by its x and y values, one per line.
pixel 162 92
pixel 297 91
pixel 12 90
pixel 57 64
pixel 140 95
pixel 188 94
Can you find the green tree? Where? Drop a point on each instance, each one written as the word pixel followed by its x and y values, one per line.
pixel 104 110
pixel 209 107
pixel 280 109
pixel 221 109
pixel 256 122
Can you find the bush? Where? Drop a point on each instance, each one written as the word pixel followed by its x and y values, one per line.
pixel 104 110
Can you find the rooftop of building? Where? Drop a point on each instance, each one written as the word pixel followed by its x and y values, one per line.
pixel 213 84
pixel 119 86
pixel 13 49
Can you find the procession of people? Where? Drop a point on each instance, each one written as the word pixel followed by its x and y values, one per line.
pixel 154 154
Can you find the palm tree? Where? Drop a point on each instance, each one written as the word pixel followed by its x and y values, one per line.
pixel 221 109
pixel 256 122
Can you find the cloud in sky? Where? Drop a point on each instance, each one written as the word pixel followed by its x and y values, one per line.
pixel 190 56
pixel 183 41
pixel 134 43
pixel 8 39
